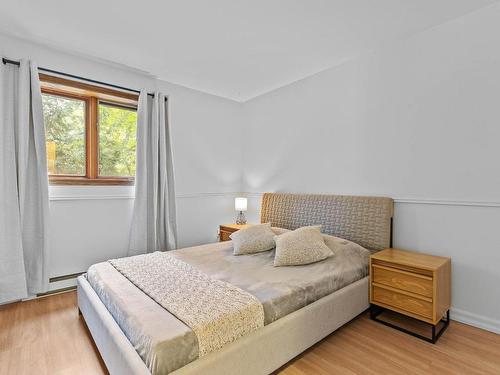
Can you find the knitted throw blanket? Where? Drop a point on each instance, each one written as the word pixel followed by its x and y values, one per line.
pixel 217 312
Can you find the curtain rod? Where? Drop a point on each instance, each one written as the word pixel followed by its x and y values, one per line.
pixel 13 62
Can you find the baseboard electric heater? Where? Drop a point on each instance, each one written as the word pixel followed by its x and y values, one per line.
pixel 56 279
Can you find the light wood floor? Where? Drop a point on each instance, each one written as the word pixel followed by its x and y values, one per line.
pixel 46 336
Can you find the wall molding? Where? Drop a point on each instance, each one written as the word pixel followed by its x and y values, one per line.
pixel 77 197
pixel 445 202
pixel 432 202
pixel 207 195
pixel 475 320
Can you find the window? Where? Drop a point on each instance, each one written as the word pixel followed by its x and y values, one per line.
pixel 117 139
pixel 64 118
pixel 90 133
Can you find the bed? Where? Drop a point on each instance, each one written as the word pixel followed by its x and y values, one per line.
pixel 131 330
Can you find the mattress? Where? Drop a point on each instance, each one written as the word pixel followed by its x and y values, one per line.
pixel 166 343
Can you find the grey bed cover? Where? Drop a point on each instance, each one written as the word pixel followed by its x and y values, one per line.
pixel 165 343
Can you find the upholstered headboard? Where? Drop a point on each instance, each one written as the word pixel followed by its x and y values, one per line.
pixel 364 220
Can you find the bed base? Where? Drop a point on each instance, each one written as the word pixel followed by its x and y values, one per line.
pixel 260 352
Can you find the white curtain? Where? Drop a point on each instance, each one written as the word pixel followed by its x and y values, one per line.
pixel 23 184
pixel 154 218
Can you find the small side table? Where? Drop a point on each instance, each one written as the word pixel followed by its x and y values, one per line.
pixel 414 284
pixel 225 230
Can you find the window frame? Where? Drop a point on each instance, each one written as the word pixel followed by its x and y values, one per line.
pixel 91 95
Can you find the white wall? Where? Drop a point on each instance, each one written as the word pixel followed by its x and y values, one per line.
pixel 207 161
pixel 419 121
pixel 91 224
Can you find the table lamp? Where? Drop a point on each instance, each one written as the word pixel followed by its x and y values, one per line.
pixel 240 205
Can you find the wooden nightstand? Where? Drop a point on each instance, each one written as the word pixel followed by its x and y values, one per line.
pixel 413 284
pixel 226 229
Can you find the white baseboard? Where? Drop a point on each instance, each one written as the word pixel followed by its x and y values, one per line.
pixel 475 320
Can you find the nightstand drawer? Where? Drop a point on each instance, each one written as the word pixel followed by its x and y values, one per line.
pixel 410 282
pixel 391 298
pixel 224 236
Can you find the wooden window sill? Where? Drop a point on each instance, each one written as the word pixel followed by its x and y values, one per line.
pixel 64 180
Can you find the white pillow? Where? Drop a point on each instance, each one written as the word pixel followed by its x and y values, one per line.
pixel 302 246
pixel 253 239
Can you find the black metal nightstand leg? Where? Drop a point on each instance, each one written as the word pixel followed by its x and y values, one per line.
pixel 377 310
pixel 446 324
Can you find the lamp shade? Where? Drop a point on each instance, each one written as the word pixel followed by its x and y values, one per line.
pixel 240 204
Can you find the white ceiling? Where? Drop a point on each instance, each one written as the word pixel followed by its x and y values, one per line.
pixel 232 48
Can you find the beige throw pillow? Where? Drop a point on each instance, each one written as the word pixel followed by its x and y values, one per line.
pixel 253 239
pixel 302 246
